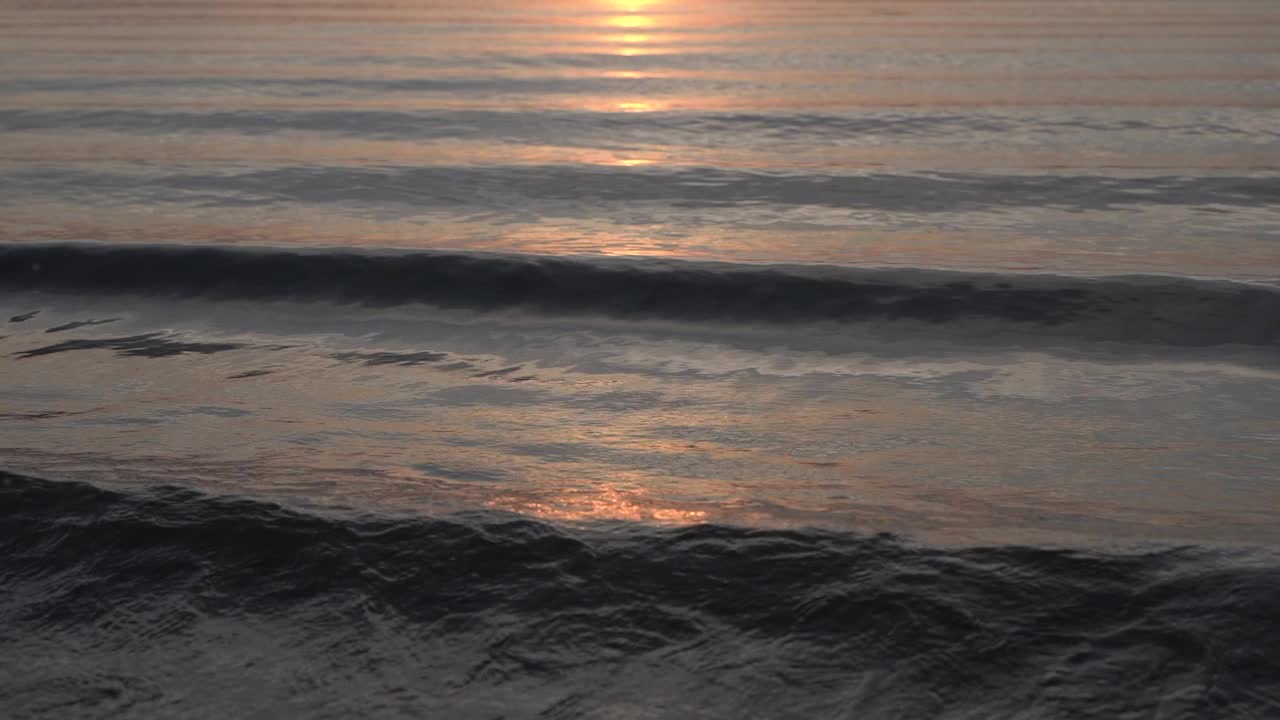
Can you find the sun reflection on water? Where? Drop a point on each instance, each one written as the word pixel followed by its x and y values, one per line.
pixel 631 21
pixel 632 16
pixel 637 106
pixel 605 504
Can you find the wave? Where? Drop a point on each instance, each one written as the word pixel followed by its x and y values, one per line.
pixel 1133 309
pixel 615 129
pixel 575 188
pixel 518 617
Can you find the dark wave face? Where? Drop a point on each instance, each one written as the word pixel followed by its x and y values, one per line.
pixel 1134 309
pixel 493 616
pixel 693 188
pixel 708 129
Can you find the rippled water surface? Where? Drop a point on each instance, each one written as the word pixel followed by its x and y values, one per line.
pixel 1072 136
pixel 639 358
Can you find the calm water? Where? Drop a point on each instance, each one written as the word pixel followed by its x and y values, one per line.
pixel 1068 136
pixel 639 358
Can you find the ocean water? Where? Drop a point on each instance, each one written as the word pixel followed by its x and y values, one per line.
pixel 640 359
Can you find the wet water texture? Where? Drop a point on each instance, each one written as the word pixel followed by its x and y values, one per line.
pixel 639 359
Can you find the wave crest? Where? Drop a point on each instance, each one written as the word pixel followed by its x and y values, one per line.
pixel 1141 309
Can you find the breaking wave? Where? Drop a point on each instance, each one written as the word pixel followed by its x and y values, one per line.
pixel 358 616
pixel 1136 309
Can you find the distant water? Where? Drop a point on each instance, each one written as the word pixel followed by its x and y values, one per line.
pixel 640 359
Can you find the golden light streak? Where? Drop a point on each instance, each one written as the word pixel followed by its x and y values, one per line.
pixel 631 21
pixel 638 106
pixel 605 504
pixel 631 17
